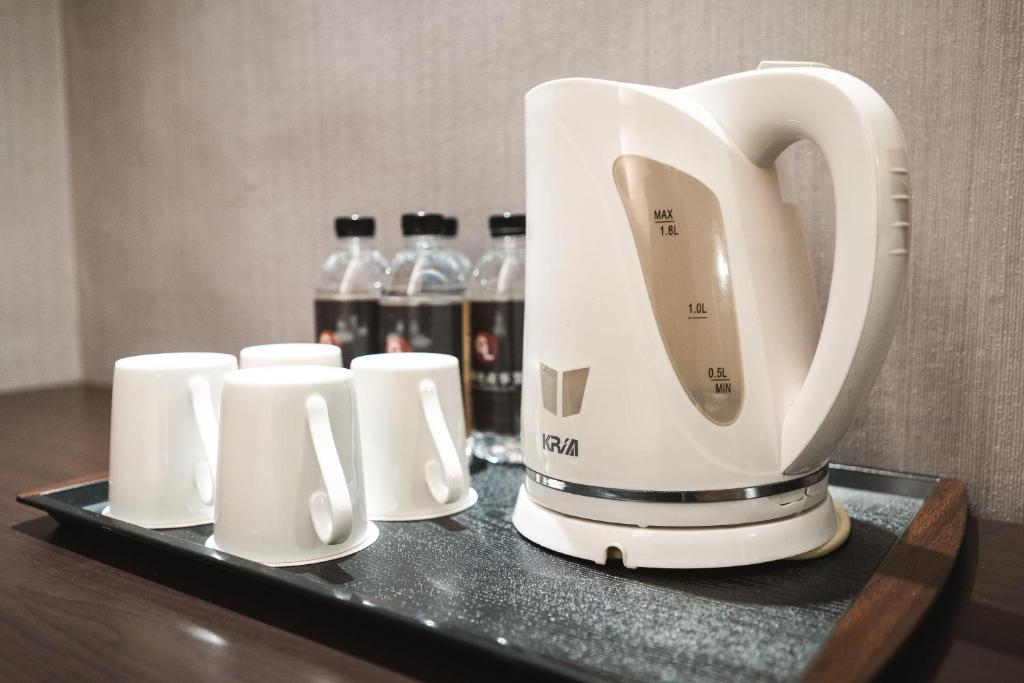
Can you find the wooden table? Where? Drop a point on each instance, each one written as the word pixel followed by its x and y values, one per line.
pixel 76 605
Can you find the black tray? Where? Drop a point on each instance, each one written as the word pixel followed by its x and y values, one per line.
pixel 472 579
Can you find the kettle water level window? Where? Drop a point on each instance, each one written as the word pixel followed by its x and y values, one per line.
pixel 680 238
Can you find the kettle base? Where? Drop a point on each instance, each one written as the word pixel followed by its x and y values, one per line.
pixel 677 547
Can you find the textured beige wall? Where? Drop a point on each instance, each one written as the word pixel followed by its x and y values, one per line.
pixel 212 142
pixel 39 341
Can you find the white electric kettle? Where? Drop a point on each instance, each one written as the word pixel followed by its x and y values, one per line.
pixel 681 393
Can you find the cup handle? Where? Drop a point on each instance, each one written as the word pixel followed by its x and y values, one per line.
pixel 329 510
pixel 206 420
pixel 444 476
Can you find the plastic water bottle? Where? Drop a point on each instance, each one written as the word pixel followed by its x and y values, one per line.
pixel 423 293
pixel 347 304
pixel 496 295
pixel 451 229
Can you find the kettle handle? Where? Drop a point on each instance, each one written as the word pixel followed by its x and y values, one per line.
pixel 764 112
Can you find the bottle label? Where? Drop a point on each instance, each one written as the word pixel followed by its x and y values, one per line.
pixel 352 324
pixel 427 327
pixel 496 347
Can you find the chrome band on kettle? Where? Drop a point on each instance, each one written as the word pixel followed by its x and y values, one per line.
pixel 710 496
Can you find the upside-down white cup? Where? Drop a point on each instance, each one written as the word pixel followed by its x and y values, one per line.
pixel 413 435
pixel 290 480
pixel 163 437
pixel 290 354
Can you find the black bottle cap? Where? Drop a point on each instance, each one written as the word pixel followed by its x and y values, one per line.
pixel 422 223
pixel 508 224
pixel 451 226
pixel 354 226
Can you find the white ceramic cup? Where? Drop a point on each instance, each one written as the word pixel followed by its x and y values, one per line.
pixel 163 437
pixel 289 354
pixel 413 435
pixel 290 481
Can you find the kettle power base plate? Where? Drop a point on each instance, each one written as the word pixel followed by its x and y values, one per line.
pixel 467 593
pixel 676 547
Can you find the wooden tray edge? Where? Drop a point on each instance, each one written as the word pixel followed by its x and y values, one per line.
pixel 62 485
pixel 891 604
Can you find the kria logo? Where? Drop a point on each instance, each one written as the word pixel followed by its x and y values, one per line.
pixel 569 386
pixel 562 446
pixel 573 385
